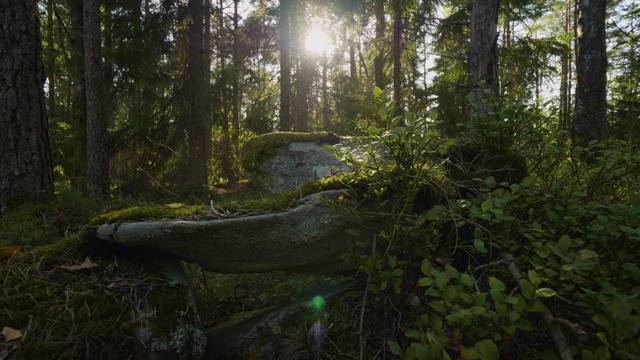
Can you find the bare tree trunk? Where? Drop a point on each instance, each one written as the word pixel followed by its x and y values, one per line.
pixel 591 91
pixel 78 173
pixel 483 53
pixel 97 153
pixel 235 56
pixel 565 83
pixel 379 61
pixel 51 57
pixel 208 141
pixel 25 157
pixel 397 56
pixel 285 66
pixel 325 94
pixel 197 164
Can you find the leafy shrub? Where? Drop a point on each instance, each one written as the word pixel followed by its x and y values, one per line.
pixel 547 261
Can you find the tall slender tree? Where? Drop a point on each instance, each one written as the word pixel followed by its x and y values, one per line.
pixel 97 153
pixel 195 127
pixel 78 171
pixel 285 65
pixel 591 73
pixel 397 56
pixel 482 57
pixel 25 157
pixel 379 60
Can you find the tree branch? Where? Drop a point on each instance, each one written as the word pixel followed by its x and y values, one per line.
pixel 558 336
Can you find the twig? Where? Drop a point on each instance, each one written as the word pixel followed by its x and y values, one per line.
pixel 364 303
pixel 157 182
pixel 558 337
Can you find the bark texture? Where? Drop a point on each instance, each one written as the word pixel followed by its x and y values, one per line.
pixel 25 156
pixel 285 65
pixel 483 50
pixel 97 153
pixel 591 73
pixel 397 56
pixel 379 61
pixel 78 165
pixel 196 128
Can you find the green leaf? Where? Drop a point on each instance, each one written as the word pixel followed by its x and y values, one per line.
pixel 535 307
pixel 438 306
pixel 488 350
pixel 564 243
pixel 534 277
pixel 425 266
pixel 487 205
pixel 477 233
pixel 496 284
pixel 450 293
pixel 451 270
pixel 479 245
pixel 377 91
pixel 442 279
pixel 392 261
pixel 469 353
pixel 546 292
pixel 528 289
pixel 466 279
pixel 394 348
pixel 413 333
pixel 528 181
pixel 433 114
pixel 425 281
pixel 436 323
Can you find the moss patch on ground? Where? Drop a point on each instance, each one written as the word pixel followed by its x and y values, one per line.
pixel 95 311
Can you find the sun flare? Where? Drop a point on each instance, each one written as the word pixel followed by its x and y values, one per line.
pixel 317 41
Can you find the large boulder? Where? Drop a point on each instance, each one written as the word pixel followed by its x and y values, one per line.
pixel 280 162
pixel 310 238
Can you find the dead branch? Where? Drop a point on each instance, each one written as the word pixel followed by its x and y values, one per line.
pixel 558 336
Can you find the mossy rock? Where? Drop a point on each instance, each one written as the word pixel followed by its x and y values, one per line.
pixel 259 148
pixel 280 162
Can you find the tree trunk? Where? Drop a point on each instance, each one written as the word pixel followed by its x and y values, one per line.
pixel 565 83
pixel 25 156
pixel 235 57
pixel 226 162
pixel 207 108
pixel 591 92
pixel 78 171
pixel 378 62
pixel 285 66
pixel 483 53
pixel 197 157
pixel 397 56
pixel 51 60
pixel 97 154
pixel 326 120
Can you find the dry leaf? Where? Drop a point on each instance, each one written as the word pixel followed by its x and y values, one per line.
pixel 176 205
pixel 10 333
pixel 11 250
pixel 87 264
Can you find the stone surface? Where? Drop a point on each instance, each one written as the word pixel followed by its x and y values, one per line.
pixel 296 163
pixel 310 238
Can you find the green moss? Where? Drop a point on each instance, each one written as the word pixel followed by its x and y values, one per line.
pixel 259 148
pixel 148 212
pixel 27 226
